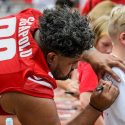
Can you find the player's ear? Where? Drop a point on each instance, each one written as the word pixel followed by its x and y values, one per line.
pixel 52 59
pixel 122 38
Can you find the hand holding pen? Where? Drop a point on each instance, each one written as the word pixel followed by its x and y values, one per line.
pixel 103 96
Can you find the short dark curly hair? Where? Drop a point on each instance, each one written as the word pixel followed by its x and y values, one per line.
pixel 63 3
pixel 65 32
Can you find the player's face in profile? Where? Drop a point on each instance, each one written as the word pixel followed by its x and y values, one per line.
pixel 63 66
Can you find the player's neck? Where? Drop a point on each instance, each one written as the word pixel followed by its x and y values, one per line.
pixel 36 37
pixel 119 51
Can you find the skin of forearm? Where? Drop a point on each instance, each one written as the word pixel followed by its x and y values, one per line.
pixel 88 116
pixel 61 84
pixel 86 54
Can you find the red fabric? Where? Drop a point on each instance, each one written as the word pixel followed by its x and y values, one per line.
pixel 22 64
pixel 89 5
pixel 87 77
pixel 28 1
pixel 92 3
pixel 119 1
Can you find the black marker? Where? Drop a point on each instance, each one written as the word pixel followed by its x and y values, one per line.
pixel 100 88
pixel 68 92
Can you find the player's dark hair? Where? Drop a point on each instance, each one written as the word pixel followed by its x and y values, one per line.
pixel 65 32
pixel 63 3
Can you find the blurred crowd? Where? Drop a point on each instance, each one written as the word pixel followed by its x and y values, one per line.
pixel 84 6
pixel 13 6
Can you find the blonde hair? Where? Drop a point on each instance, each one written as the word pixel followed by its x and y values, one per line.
pixel 116 22
pixel 103 8
pixel 100 27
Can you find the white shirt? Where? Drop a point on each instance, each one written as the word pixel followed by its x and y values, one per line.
pixel 115 114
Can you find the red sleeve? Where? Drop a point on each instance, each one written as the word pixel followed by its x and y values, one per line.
pixel 87 77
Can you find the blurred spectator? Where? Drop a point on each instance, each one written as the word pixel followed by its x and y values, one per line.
pixel 90 4
pixel 102 41
pixel 0 2
pixel 115 115
pixel 103 8
pixel 87 77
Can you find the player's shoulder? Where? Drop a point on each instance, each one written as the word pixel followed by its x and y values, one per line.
pixel 31 11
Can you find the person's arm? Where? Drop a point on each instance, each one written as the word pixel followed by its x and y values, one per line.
pixel 62 84
pixel 99 101
pixel 70 86
pixel 102 63
pixel 83 117
pixel 84 100
pixel 37 111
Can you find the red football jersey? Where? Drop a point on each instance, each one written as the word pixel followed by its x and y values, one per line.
pixel 23 67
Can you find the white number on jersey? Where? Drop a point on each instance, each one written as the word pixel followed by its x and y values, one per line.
pixel 7 42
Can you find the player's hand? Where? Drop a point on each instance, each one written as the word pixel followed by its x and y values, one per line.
pixel 102 63
pixel 104 98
